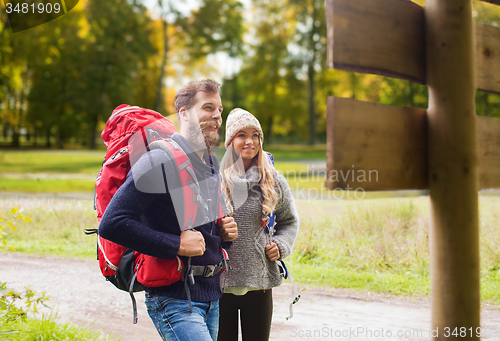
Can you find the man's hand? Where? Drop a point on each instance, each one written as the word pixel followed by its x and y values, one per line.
pixel 228 229
pixel 272 252
pixel 192 243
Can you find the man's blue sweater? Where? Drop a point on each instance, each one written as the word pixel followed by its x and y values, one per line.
pixel 141 216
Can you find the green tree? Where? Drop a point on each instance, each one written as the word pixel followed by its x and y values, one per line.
pixel 55 106
pixel 217 26
pixel 311 40
pixel 268 68
pixel 116 49
pixel 14 77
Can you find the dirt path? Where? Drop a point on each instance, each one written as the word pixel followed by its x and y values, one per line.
pixel 80 294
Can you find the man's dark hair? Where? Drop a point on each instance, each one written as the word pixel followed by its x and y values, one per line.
pixel 185 97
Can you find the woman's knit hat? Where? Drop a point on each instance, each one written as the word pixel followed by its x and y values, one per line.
pixel 239 119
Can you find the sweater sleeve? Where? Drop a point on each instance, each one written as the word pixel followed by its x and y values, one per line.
pixel 121 222
pixel 287 220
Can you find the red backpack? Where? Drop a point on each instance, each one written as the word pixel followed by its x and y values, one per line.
pixel 129 133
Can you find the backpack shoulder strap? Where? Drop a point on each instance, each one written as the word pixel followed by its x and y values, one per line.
pixel 271 157
pixel 184 187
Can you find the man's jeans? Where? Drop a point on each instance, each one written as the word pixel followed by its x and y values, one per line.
pixel 174 321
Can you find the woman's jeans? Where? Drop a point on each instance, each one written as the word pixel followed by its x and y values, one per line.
pixel 174 321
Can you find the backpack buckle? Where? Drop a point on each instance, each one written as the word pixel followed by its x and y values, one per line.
pixel 190 276
pixel 209 270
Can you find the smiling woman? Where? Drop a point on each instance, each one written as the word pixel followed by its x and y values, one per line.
pixel 257 195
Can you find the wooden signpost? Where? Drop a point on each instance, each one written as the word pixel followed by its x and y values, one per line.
pixel 447 148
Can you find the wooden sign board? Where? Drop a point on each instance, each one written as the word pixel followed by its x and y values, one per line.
pixel 384 37
pixel 380 147
pixel 387 38
pixel 487 58
pixel 375 146
pixel 488 151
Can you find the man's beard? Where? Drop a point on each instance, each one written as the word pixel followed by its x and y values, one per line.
pixel 211 137
pixel 201 137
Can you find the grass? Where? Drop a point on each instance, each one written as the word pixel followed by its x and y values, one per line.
pixel 44 185
pixel 377 245
pixel 382 245
pixel 49 171
pixel 297 152
pixel 89 162
pixel 46 328
pixel 74 171
pixel 56 228
pixel 47 161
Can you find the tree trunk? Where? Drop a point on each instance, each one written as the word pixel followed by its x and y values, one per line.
pixel 61 133
pixel 6 130
pixel 268 138
pixel 93 132
pixel 311 75
pixel 60 140
pixel 16 143
pixel 15 126
pixel 159 98
pixel 235 94
pixel 312 107
pixel 453 175
pixel 35 144
pixel 47 137
pixel 16 138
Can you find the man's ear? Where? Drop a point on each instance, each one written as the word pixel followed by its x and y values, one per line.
pixel 183 115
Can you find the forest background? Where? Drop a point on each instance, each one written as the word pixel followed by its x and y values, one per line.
pixel 60 81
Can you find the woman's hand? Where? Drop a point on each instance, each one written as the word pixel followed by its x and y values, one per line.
pixel 272 251
pixel 228 230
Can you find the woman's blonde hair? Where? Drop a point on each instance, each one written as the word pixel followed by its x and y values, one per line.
pixel 232 163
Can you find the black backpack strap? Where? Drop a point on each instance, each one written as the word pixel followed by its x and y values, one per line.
pixel 188 277
pixel 131 293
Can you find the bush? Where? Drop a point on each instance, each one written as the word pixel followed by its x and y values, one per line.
pixel 4 223
pixel 15 307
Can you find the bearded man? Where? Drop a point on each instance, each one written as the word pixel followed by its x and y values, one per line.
pixel 142 216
